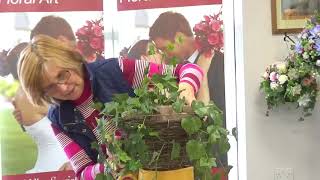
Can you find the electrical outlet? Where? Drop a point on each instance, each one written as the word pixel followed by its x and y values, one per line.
pixel 283 174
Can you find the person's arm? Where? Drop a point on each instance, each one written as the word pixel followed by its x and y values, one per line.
pixel 82 165
pixel 189 75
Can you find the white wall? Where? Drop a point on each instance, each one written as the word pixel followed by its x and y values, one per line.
pixel 279 140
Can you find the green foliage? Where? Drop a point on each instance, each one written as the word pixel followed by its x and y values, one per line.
pixel 207 138
pixel 8 89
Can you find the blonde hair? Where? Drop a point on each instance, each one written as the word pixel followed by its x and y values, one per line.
pixel 33 58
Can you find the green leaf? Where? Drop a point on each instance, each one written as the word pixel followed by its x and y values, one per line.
pixel 154 133
pixel 98 106
pixel 178 105
pixel 134 166
pixel 191 124
pixel 170 47
pixel 195 150
pixel 173 61
pixel 202 111
pixel 197 105
pixel 151 49
pixel 207 162
pixel 102 176
pixel 175 152
pixel 123 156
pixel 179 39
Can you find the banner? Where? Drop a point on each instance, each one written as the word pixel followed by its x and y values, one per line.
pixel 151 4
pixel 50 5
pixel 29 147
pixel 56 175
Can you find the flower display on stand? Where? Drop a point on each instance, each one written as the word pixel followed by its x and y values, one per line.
pixel 90 39
pixel 297 79
pixel 209 34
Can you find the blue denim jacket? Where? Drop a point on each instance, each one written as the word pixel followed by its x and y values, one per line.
pixel 106 79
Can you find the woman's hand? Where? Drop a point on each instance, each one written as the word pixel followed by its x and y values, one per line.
pixel 187 92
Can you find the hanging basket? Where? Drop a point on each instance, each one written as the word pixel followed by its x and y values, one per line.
pixel 168 124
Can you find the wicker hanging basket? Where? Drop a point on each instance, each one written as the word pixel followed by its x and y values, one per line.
pixel 168 124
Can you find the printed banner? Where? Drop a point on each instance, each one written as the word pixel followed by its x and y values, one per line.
pixel 151 4
pixel 56 175
pixel 50 5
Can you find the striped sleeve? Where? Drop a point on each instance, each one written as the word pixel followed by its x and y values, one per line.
pixel 82 165
pixel 134 71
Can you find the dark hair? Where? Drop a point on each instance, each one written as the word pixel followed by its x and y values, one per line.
pixel 9 63
pixel 53 26
pixel 138 49
pixel 168 24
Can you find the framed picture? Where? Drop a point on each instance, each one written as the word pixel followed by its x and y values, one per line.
pixel 289 16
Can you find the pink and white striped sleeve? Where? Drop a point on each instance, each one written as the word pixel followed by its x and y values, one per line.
pixel 191 74
pixel 134 71
pixel 82 165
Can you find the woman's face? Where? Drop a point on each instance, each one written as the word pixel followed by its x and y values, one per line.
pixel 61 83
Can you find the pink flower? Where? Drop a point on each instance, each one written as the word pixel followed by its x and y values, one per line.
pixel 215 25
pixel 117 135
pixel 213 38
pixel 89 24
pixel 273 76
pixel 97 31
pixel 207 18
pixel 96 43
pixel 82 31
pixel 200 27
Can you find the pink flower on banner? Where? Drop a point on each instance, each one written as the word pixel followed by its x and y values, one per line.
pixel 213 39
pixel 97 31
pixel 90 40
pixel 215 25
pixel 209 34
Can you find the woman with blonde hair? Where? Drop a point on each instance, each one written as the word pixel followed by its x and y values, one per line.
pixel 52 72
pixel 50 156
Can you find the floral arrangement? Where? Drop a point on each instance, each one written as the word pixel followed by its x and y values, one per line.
pixel 90 39
pixel 297 79
pixel 209 34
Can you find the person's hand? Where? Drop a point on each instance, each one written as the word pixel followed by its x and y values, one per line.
pixel 66 167
pixel 17 113
pixel 187 92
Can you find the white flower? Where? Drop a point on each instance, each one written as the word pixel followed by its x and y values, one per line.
pixel 273 76
pixel 282 79
pixel 311 41
pixel 274 85
pixel 304 100
pixel 296 90
pixel 318 62
pixel 293 74
pixel 304 36
pixel 305 55
pixel 282 67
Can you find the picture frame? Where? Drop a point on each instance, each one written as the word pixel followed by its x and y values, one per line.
pixel 289 16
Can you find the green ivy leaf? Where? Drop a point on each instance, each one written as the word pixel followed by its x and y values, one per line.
pixel 173 61
pixel 207 162
pixel 178 105
pixel 170 47
pixel 102 176
pixel 175 152
pixel 191 124
pixel 151 49
pixel 123 156
pixel 195 150
pixel 134 166
pixel 154 133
